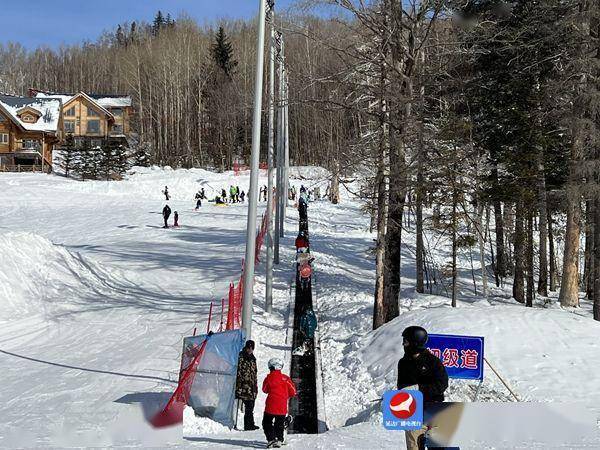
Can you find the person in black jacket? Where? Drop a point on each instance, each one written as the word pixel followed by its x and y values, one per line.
pixel 166 214
pixel 419 367
pixel 246 387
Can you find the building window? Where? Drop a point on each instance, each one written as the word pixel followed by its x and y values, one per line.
pixel 30 144
pixel 28 118
pixel 117 129
pixel 70 112
pixel 69 126
pixel 4 138
pixel 91 112
pixel 117 112
pixel 96 143
pixel 93 126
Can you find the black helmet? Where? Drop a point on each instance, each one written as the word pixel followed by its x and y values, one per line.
pixel 415 336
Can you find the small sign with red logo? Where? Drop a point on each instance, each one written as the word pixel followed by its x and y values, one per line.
pixel 402 410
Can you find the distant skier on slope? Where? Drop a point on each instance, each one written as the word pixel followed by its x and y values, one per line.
pixel 176 219
pixel 419 367
pixel 224 195
pixel 198 198
pixel 246 388
pixel 166 192
pixel 243 196
pixel 265 191
pixel 279 389
pixel 166 212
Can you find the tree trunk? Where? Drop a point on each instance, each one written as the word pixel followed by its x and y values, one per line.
pixel 588 265
pixel 500 268
pixel 481 241
pixel 519 255
pixel 529 261
pixel 551 256
pixel 543 228
pixel 454 236
pixel 382 209
pixel 334 191
pixel 569 286
pixel 596 291
pixel 419 219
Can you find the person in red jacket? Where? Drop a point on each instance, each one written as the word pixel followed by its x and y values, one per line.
pixel 301 242
pixel 279 389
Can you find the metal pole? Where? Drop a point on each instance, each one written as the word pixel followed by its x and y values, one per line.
pixel 286 146
pixel 269 281
pixel 282 183
pixel 253 190
pixel 278 159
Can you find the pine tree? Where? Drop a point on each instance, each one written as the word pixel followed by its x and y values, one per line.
pixel 222 53
pixel 158 23
pixel 67 156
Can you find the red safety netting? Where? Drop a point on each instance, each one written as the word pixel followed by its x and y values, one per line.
pixel 230 320
pixel 172 413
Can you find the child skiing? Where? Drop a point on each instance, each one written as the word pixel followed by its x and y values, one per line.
pixel 308 325
pixel 176 220
pixel 279 389
pixel 166 192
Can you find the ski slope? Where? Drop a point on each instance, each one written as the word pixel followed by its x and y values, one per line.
pixel 95 298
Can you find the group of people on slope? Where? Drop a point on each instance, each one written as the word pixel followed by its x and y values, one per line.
pixel 278 387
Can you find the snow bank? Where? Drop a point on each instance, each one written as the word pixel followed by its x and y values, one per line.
pixel 544 354
pixel 38 276
pixel 200 426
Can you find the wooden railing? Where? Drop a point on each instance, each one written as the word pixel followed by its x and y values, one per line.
pixel 20 168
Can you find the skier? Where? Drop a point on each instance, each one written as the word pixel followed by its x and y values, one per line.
pixel 308 325
pixel 279 389
pixel 301 242
pixel 243 196
pixel 166 192
pixel 176 219
pixel 246 388
pixel 237 194
pixel 198 198
pixel 420 367
pixel 232 194
pixel 224 195
pixel 305 271
pixel 166 212
pixel 265 191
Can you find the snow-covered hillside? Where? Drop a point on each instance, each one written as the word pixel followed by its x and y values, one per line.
pixel 95 297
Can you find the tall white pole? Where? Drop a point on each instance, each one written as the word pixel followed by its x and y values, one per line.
pixel 253 191
pixel 286 145
pixel 278 154
pixel 269 281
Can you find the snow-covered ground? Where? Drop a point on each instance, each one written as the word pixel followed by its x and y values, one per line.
pixel 95 298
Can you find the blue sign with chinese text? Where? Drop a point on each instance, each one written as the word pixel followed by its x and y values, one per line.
pixel 461 355
pixel 402 410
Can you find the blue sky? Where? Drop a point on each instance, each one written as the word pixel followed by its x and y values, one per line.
pixel 51 23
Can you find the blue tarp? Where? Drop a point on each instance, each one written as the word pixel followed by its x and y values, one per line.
pixel 213 391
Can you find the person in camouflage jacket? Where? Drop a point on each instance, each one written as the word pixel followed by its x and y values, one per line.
pixel 246 387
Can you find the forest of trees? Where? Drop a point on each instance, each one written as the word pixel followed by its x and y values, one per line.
pixel 485 111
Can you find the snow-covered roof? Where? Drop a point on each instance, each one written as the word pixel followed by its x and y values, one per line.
pixel 104 100
pixel 49 109
pixel 112 101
